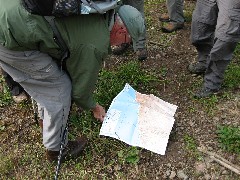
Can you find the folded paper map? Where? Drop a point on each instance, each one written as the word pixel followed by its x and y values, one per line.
pixel 139 120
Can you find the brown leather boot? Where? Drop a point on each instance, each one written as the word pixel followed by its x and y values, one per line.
pixel 172 26
pixel 72 150
pixel 164 18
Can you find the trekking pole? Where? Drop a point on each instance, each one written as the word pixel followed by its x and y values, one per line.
pixel 34 106
pixel 61 151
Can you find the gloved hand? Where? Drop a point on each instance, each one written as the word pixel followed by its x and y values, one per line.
pixel 99 112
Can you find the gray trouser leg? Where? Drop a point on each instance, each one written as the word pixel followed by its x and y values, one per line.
pixel 204 20
pixel 139 5
pixel 202 36
pixel 224 17
pixel 41 78
pixel 175 10
pixel 219 58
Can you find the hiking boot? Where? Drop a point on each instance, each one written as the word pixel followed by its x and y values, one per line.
pixel 20 97
pixel 197 68
pixel 72 150
pixel 205 92
pixel 164 18
pixel 119 50
pixel 172 26
pixel 142 54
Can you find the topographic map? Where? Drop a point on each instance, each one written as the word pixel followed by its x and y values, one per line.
pixel 139 120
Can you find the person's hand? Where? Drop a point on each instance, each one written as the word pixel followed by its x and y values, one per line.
pixel 99 112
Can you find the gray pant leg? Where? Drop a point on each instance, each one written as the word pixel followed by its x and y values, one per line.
pixel 219 58
pixel 202 37
pixel 228 23
pixel 175 10
pixel 203 27
pixel 225 16
pixel 41 78
pixel 139 5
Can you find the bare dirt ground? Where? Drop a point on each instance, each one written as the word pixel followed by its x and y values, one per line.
pixel 195 126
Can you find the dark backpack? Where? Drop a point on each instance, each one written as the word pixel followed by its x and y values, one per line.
pixel 66 7
pixel 50 9
pixel 39 7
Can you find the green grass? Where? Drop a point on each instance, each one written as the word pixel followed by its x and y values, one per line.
pixel 5 96
pixel 229 138
pixel 191 146
pixel 112 82
pixel 232 76
pixel 231 82
pixel 6 165
pixel 237 51
pixel 130 155
pixel 209 103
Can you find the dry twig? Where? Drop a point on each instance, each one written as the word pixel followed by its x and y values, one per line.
pixel 221 160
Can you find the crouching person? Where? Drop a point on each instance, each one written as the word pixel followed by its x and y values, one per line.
pixel 139 44
pixel 30 55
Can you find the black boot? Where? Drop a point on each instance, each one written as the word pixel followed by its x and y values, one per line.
pixel 72 150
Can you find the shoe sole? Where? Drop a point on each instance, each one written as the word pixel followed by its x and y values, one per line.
pixel 197 74
pixel 164 20
pixel 170 31
pixel 142 58
pixel 210 95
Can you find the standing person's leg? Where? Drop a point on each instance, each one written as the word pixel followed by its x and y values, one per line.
pixel 202 36
pixel 220 57
pixel 175 15
pixel 202 33
pixel 227 37
pixel 41 78
pixel 175 10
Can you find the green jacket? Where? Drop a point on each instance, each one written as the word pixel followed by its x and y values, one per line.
pixel 87 37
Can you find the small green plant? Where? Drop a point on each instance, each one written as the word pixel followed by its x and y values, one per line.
pixel 190 143
pixel 191 146
pixel 2 127
pixel 6 164
pixel 192 109
pixel 130 155
pixel 209 103
pixel 229 138
pixel 163 71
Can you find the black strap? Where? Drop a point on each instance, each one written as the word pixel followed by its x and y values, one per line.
pixel 58 38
